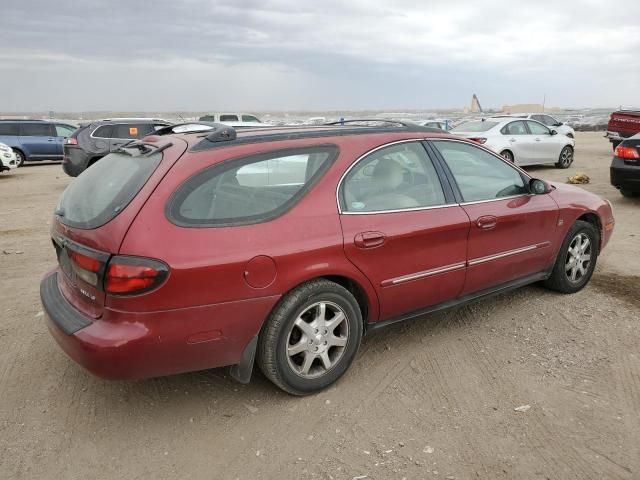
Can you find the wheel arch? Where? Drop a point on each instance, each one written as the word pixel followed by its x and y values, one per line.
pixel 593 219
pixel 513 155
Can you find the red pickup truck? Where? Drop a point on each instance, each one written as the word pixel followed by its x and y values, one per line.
pixel 623 124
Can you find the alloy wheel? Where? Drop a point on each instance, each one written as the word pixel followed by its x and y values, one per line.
pixel 566 157
pixel 578 258
pixel 317 339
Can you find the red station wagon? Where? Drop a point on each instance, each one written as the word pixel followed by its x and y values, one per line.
pixel 284 246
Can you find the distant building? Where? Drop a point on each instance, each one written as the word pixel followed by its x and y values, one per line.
pixel 528 108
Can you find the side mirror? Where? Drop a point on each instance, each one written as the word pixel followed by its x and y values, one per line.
pixel 554 132
pixel 559 124
pixel 538 187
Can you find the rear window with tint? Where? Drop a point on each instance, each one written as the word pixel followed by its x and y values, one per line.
pixel 249 190
pixel 37 130
pixel 475 127
pixel 101 192
pixel 8 128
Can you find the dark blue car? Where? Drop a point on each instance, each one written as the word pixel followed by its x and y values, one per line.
pixel 35 139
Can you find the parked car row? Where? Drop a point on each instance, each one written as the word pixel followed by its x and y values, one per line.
pixel 33 140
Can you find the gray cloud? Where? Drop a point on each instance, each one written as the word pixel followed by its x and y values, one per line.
pixel 295 54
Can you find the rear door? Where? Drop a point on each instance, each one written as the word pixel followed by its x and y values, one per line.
pixel 520 142
pixel 38 139
pixel 511 230
pixel 403 229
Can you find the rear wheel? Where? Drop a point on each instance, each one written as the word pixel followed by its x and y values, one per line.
pixel 566 157
pixel 20 158
pixel 311 337
pixel 507 155
pixel 576 260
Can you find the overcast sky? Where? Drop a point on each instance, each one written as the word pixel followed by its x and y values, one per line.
pixel 316 55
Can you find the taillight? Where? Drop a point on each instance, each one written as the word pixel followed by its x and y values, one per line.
pixel 85 267
pixel 71 141
pixel 134 275
pixel 479 140
pixel 628 153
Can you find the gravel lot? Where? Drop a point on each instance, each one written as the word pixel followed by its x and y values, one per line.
pixel 429 399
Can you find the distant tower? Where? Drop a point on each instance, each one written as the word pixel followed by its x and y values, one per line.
pixel 475 104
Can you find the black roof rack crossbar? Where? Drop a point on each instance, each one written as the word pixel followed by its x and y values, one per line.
pixel 378 120
pixel 311 133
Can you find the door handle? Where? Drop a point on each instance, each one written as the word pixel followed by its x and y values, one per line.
pixel 487 222
pixel 369 239
pixel 51 140
pixel 537 139
pixel 512 140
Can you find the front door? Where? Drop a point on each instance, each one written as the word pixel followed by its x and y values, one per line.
pixel 401 229
pixel 546 146
pixel 511 229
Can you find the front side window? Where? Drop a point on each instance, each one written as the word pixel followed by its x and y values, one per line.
pixel 228 118
pixel 250 118
pixel 37 130
pixel 537 129
pixel 396 177
pixel 479 174
pixel 249 190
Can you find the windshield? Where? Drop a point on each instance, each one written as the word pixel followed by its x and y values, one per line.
pixel 101 192
pixel 475 127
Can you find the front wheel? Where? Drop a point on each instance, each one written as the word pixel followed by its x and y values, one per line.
pixel 19 158
pixel 311 337
pixel 566 157
pixel 576 260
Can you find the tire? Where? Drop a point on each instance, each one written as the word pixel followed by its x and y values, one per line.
pixel 507 155
pixel 19 157
pixel 281 333
pixel 563 271
pixel 629 193
pixel 566 157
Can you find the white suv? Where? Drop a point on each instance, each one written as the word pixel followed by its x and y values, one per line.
pixel 233 119
pixel 8 159
pixel 545 119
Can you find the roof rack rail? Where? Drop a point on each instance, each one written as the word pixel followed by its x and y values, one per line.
pixel 216 132
pixel 377 120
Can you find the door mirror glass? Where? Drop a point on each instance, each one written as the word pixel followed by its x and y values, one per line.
pixel 538 187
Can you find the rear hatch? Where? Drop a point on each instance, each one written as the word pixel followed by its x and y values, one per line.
pixel 626 123
pixel 96 210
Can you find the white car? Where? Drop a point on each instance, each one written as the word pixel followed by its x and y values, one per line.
pixel 8 159
pixel 234 119
pixel 524 142
pixel 545 119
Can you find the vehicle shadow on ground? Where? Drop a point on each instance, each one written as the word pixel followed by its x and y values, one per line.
pixel 215 386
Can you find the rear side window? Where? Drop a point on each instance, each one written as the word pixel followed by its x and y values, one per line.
pixel 103 131
pixel 8 128
pixel 515 128
pixel 37 130
pixel 100 193
pixel 228 118
pixel 131 130
pixel 249 190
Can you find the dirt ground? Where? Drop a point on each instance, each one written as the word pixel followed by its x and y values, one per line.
pixel 434 398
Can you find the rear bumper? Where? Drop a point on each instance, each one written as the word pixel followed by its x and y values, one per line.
pixel 625 176
pixel 132 345
pixel 75 160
